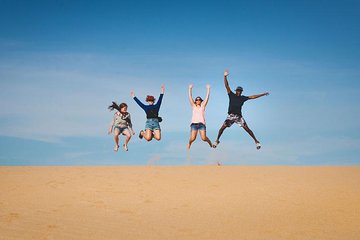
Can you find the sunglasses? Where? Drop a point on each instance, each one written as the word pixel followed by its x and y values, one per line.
pixel 197 99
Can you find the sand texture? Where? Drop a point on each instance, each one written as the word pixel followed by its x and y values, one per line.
pixel 192 202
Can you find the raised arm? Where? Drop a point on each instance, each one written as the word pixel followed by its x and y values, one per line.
pixel 137 100
pixel 226 73
pixel 158 103
pixel 191 100
pixel 207 95
pixel 259 95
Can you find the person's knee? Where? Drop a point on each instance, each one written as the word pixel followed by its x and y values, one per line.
pixel 157 137
pixel 203 135
pixel 148 137
pixel 157 134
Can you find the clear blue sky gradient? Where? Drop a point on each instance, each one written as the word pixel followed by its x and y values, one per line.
pixel 63 62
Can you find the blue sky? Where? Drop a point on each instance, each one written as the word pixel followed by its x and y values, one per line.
pixel 63 62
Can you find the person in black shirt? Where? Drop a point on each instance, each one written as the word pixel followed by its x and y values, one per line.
pixel 236 101
pixel 152 126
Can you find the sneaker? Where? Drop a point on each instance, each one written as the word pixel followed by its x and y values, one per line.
pixel 141 134
pixel 116 148
pixel 125 147
pixel 215 144
pixel 258 145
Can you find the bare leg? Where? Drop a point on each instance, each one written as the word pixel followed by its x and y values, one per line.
pixel 193 134
pixel 148 135
pixel 205 138
pixel 116 138
pixel 128 136
pixel 248 130
pixel 221 130
pixel 157 134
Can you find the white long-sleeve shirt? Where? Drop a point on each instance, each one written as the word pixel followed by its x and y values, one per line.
pixel 121 120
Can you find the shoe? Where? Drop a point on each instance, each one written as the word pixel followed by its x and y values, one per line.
pixel 116 148
pixel 215 144
pixel 141 134
pixel 125 147
pixel 258 145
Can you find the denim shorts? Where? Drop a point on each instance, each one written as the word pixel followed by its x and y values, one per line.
pixel 152 124
pixel 198 126
pixel 121 130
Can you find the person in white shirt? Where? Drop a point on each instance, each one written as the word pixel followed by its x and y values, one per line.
pixel 121 124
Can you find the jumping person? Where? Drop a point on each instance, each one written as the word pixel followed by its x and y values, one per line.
pixel 198 117
pixel 236 101
pixel 152 126
pixel 121 124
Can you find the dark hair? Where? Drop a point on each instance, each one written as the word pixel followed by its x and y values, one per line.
pixel 122 105
pixel 150 98
pixel 114 105
pixel 198 98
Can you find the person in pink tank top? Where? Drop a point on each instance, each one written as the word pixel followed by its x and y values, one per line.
pixel 198 117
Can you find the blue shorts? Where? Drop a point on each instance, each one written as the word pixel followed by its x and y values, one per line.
pixel 121 130
pixel 198 126
pixel 152 124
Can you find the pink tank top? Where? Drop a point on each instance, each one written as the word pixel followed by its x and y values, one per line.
pixel 198 114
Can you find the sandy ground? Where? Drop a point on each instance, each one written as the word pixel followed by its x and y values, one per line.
pixel 195 202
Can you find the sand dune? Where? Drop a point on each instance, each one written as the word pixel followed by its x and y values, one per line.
pixel 197 202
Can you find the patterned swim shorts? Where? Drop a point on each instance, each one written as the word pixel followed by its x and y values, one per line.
pixel 234 118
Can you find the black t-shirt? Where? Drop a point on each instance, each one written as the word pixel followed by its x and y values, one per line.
pixel 236 102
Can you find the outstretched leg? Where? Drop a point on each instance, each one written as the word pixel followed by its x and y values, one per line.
pixel 193 134
pixel 248 130
pixel 205 138
pixel 221 130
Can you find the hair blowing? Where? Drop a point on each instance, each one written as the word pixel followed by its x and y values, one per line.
pixel 114 105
